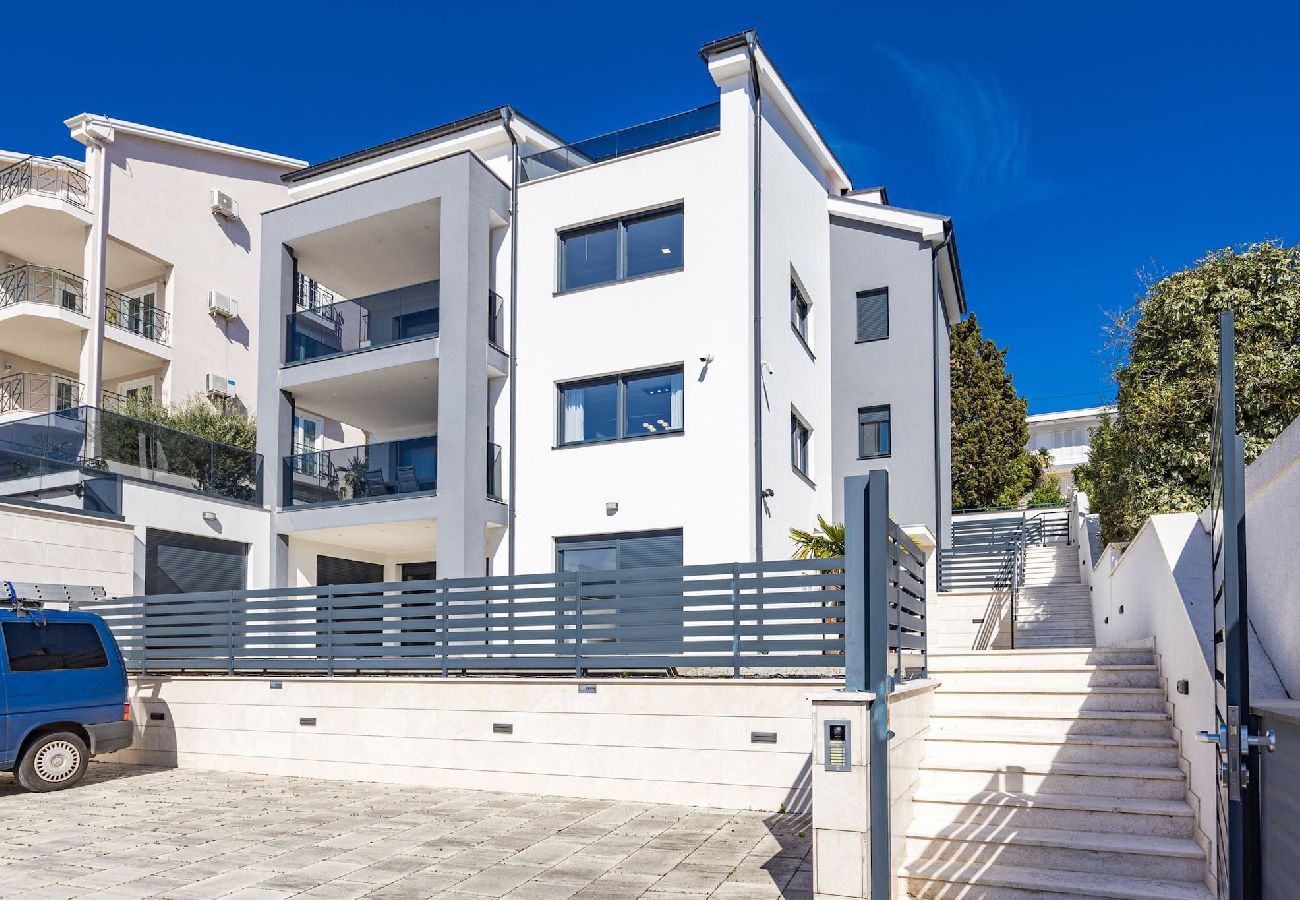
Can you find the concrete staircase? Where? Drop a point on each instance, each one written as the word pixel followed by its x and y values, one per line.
pixel 1050 770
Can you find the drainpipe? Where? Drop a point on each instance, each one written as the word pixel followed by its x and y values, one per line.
pixel 751 41
pixel 506 116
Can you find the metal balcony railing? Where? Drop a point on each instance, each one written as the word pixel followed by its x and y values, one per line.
pixel 38 392
pixel 46 178
pixel 38 284
pixel 90 438
pixel 645 136
pixel 137 316
pixel 367 472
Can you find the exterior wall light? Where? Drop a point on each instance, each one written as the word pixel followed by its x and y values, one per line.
pixel 611 508
pixel 209 516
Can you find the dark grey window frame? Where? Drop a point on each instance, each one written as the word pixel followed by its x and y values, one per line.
pixel 863 413
pixel 607 541
pixel 800 452
pixel 620 378
pixel 858 339
pixel 797 294
pixel 620 222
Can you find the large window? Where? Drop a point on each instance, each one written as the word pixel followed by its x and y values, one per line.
pixel 800 311
pixel 634 404
pixel 873 432
pixel 45 647
pixel 873 315
pixel 627 247
pixel 800 444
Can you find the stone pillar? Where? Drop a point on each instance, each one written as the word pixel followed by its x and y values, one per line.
pixel 841 813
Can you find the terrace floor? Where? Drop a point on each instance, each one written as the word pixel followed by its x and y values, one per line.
pixel 136 832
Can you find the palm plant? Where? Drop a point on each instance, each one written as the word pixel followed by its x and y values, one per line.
pixel 826 541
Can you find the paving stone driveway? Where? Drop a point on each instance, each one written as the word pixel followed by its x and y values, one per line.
pixel 135 832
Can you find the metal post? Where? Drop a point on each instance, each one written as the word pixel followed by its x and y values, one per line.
pixel 878 681
pixel 230 612
pixel 442 621
pixel 855 583
pixel 329 634
pixel 735 620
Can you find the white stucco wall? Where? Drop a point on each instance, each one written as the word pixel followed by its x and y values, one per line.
pixel 1272 530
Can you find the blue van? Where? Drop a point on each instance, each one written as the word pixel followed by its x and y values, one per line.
pixel 62 694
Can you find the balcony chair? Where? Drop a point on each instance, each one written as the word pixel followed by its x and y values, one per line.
pixel 407 483
pixel 376 486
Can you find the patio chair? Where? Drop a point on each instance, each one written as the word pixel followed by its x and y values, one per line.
pixel 407 483
pixel 376 486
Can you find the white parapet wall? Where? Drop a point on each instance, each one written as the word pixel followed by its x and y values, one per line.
pixel 696 742
pixel 43 544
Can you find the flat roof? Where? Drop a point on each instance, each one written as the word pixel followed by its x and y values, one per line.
pixel 1066 415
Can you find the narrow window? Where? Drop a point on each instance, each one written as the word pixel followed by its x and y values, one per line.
pixel 634 404
pixel 800 443
pixel 873 432
pixel 800 309
pixel 627 247
pixel 873 315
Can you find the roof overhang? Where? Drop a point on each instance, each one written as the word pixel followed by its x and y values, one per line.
pixel 1071 415
pixel 88 128
pixel 935 230
pixel 728 58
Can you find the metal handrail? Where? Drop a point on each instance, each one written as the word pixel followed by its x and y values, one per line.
pixel 134 315
pixel 40 284
pixel 38 392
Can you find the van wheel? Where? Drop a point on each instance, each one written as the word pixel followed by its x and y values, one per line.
pixel 53 762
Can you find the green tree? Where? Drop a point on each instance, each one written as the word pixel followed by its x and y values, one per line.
pixel 218 421
pixel 1154 455
pixel 990 465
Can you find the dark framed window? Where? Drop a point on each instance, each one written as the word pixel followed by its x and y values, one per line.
pixel 800 311
pixel 873 315
pixel 874 438
pixel 800 444
pixel 628 405
pixel 53 646
pixel 626 247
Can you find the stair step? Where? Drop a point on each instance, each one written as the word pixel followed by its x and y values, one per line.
pixel 1138 856
pixel 1065 680
pixel 1028 696
pixel 1104 780
pixel 1113 723
pixel 943 879
pixel 1112 815
pixel 1040 749
pixel 1019 660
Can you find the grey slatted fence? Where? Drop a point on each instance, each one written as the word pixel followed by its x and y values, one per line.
pixel 781 613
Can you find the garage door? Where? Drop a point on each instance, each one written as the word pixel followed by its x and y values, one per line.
pixel 336 570
pixel 185 563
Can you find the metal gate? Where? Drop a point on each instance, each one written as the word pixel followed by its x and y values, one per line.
pixel 1237 844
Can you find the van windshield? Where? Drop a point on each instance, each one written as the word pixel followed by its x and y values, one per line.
pixel 57 645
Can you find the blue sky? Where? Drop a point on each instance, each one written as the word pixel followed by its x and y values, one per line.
pixel 1076 148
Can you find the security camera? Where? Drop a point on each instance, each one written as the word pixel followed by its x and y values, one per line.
pixel 767 367
pixel 768 492
pixel 707 358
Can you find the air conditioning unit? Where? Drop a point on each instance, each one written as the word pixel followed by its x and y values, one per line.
pixel 224 205
pixel 221 386
pixel 221 305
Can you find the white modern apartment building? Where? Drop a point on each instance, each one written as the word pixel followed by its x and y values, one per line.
pixel 1067 435
pixel 484 349
pixel 130 270
pixel 502 352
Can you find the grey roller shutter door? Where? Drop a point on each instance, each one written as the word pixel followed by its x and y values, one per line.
pixel 636 550
pixel 185 564
pixel 335 570
pixel 873 315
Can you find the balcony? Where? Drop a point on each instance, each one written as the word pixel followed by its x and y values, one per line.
pixel 35 176
pixel 38 392
pixel 645 136
pixel 496 321
pixel 368 472
pixel 97 440
pixel 48 287
pixel 494 472
pixel 316 329
pixel 136 316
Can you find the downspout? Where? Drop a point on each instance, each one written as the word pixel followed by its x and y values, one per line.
pixel 936 307
pixel 751 41
pixel 506 116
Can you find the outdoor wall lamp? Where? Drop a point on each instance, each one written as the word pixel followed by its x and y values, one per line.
pixel 209 516
pixel 611 508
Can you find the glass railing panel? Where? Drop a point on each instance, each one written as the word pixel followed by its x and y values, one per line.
pixel 350 325
pixel 496 321
pixel 645 136
pixel 494 472
pixel 367 472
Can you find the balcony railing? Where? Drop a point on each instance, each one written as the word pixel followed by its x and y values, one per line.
pixel 496 321
pixel 96 439
pixel 368 472
pixel 46 178
pixel 37 284
pixel 645 136
pixel 38 392
pixel 137 316
pixel 314 331
pixel 494 472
